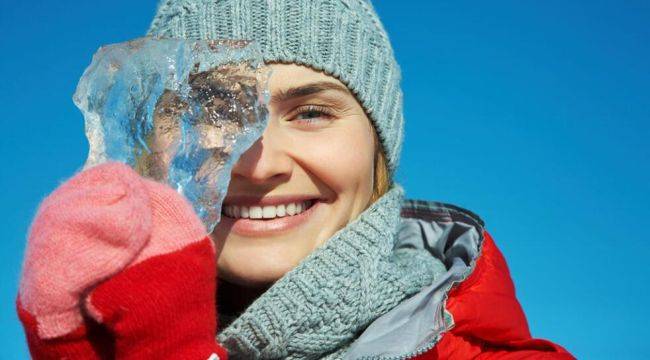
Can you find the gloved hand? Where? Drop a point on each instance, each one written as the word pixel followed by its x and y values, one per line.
pixel 129 253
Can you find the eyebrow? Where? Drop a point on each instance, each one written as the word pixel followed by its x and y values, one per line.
pixel 307 89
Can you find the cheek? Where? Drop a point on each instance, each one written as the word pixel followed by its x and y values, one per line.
pixel 342 158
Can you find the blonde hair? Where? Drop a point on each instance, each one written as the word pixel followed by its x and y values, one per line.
pixel 382 179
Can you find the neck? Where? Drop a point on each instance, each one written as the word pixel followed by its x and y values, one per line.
pixel 233 299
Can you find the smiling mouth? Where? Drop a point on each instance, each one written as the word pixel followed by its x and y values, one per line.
pixel 270 220
pixel 267 212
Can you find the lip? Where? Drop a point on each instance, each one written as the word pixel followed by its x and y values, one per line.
pixel 262 227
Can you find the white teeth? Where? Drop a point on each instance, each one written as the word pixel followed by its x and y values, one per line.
pixel 255 212
pixel 267 211
pixel 291 209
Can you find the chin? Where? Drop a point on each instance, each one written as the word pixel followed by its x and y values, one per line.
pixel 259 261
pixel 254 268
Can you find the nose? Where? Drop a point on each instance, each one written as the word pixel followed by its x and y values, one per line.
pixel 265 161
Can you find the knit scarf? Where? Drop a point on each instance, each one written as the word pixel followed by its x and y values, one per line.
pixel 318 308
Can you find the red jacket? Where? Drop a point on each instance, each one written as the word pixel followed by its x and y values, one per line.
pixel 489 322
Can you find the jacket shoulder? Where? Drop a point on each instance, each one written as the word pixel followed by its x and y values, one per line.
pixel 488 320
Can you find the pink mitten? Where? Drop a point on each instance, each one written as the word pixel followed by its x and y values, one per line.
pixel 131 254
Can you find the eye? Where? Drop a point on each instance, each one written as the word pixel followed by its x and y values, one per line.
pixel 312 113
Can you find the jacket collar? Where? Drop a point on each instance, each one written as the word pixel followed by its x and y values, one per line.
pixel 449 233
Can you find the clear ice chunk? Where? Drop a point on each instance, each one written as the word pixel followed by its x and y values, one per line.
pixel 177 111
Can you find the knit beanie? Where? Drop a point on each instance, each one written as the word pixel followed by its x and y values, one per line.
pixel 342 38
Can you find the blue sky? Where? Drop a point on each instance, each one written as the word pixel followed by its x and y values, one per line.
pixel 535 115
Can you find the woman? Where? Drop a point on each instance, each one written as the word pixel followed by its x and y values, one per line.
pixel 318 255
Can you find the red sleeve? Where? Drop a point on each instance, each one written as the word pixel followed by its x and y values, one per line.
pixel 489 322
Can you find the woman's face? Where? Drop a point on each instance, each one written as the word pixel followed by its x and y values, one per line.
pixel 309 174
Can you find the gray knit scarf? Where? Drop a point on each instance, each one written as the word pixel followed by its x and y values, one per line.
pixel 318 308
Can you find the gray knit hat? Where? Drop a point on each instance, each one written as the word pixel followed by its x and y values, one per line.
pixel 343 38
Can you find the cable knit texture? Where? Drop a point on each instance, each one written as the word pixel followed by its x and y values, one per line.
pixel 317 309
pixel 343 38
